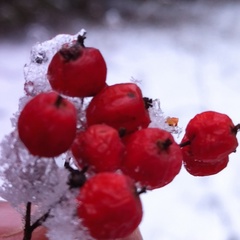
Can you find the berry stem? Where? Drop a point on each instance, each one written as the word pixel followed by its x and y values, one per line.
pixel 76 178
pixel 183 144
pixel 81 39
pixel 141 190
pixel 236 128
pixel 148 102
pixel 58 101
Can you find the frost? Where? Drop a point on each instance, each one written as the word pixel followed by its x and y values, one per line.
pixel 158 119
pixel 28 178
pixel 37 180
pixel 63 222
pixel 40 56
pixel 80 105
pixel 136 81
pixel 43 182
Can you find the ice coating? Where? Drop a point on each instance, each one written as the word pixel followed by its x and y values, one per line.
pixel 41 181
pixel 27 178
pixel 35 72
pixel 158 119
pixel 40 56
pixel 63 222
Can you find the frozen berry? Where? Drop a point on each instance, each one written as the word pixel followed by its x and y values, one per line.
pixel 152 158
pixel 211 135
pixel 109 206
pixel 99 148
pixel 47 124
pixel 77 71
pixel 120 106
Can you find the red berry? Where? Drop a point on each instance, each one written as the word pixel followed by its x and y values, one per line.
pixel 198 167
pixel 120 106
pixel 47 125
pixel 109 206
pixel 99 147
pixel 152 157
pixel 212 135
pixel 77 71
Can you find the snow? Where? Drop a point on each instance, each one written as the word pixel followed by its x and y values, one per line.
pixel 191 68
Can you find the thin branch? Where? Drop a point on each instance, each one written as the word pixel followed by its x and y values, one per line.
pixel 183 144
pixel 27 227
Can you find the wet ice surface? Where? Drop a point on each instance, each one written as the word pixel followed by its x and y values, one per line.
pixel 191 68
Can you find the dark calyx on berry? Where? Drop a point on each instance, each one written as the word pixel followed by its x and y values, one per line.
pixel 122 132
pixel 73 52
pixel 164 144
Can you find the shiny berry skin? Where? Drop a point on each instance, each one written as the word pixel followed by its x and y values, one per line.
pixel 99 148
pixel 152 157
pixel 109 206
pixel 120 106
pixel 47 125
pixel 212 135
pixel 201 168
pixel 77 71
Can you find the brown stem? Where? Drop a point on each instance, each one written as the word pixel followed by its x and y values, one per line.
pixel 81 39
pixel 58 101
pixel 148 102
pixel 183 144
pixel 141 190
pixel 76 178
pixel 236 128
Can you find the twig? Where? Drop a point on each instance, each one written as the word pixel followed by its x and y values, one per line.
pixel 27 227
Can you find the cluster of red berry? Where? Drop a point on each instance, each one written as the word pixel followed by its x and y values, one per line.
pixel 115 145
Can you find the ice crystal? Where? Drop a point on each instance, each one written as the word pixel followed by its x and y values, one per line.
pixel 63 222
pixel 158 119
pixel 37 180
pixel 41 181
pixel 136 81
pixel 28 178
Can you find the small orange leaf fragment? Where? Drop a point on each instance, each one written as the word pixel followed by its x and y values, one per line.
pixel 172 121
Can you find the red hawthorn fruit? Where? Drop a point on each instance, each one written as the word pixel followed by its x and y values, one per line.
pixel 152 158
pixel 120 106
pixel 211 135
pixel 77 71
pixel 198 167
pixel 47 124
pixel 99 147
pixel 109 206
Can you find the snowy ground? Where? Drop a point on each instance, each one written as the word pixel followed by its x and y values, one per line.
pixel 191 68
